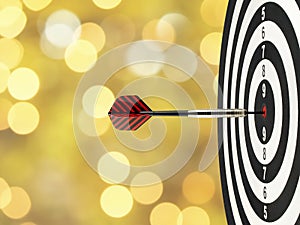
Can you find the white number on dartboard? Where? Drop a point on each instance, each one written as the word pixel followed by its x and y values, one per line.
pixel 263 90
pixel 264 133
pixel 265 212
pixel 263 13
pixel 263 47
pixel 265 172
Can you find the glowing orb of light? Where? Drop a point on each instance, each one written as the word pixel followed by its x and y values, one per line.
pixel 116 201
pixel 60 28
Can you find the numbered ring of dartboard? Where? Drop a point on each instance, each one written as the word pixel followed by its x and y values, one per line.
pixel 259 158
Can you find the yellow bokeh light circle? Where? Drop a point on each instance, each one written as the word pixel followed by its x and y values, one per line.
pixel 146 69
pixel 213 12
pixel 116 201
pixel 93 127
pixel 198 188
pixel 159 30
pixel 146 194
pixel 143 68
pixel 50 50
pixel 216 85
pixel 23 118
pixel 36 5
pixel 113 167
pixel 23 83
pixel 107 4
pixel 102 125
pixel 93 33
pixel 210 48
pixel 28 223
pixel 194 216
pixel 97 101
pixel 5 106
pixel 80 56
pixel 11 52
pixel 14 3
pixel 4 75
pixel 60 28
pixel 19 205
pixel 12 21
pixel 5 193
pixel 165 213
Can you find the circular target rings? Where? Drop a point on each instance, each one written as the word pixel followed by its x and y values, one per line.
pixel 259 70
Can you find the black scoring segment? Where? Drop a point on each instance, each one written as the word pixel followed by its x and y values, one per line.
pixel 272 211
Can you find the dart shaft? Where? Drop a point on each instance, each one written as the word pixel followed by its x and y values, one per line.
pixel 217 113
pixel 210 113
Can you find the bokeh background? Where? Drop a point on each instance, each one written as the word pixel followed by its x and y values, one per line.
pixel 46 47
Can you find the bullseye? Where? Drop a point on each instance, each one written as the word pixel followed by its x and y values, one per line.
pixel 264 110
pixel 264 100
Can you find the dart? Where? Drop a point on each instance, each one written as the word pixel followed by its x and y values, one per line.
pixel 130 112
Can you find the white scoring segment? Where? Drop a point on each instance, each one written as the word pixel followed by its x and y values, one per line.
pixel 275 187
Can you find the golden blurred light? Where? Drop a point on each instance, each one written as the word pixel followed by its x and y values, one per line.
pixel 12 21
pixel 23 83
pixel 116 201
pixel 107 4
pixel 159 30
pixel 210 48
pixel 14 3
pixel 50 50
pixel 146 69
pixel 179 22
pixel 93 127
pixel 28 223
pixel 194 216
pixel 19 205
pixel 119 29
pixel 5 106
pixel 11 52
pixel 36 5
pixel 213 12
pixel 216 85
pixel 5 193
pixel 97 101
pixel 93 33
pixel 102 125
pixel 113 167
pixel 198 188
pixel 175 74
pixel 165 213
pixel 23 118
pixel 80 56
pixel 4 75
pixel 146 194
pixel 60 28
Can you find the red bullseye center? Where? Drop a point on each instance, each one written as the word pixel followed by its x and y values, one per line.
pixel 264 110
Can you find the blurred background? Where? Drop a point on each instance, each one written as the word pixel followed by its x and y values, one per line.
pixel 46 47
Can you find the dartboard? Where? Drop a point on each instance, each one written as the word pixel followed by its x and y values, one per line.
pixel 260 71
